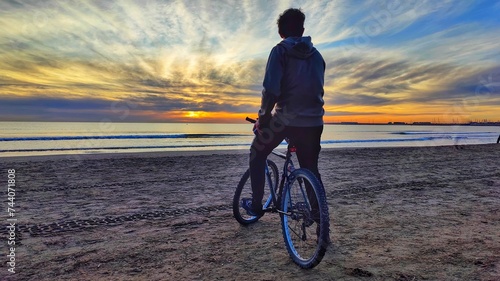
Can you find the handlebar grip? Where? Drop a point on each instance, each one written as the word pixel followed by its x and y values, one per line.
pixel 251 120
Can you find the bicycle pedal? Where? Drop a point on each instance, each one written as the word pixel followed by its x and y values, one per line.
pixel 268 209
pixel 301 206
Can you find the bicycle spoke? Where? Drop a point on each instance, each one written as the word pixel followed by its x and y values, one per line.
pixel 244 192
pixel 302 225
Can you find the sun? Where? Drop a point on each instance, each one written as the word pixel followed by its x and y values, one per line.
pixel 193 114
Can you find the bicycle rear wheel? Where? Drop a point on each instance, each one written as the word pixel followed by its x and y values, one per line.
pixel 244 191
pixel 305 220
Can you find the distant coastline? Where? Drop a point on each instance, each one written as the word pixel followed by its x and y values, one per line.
pixel 419 123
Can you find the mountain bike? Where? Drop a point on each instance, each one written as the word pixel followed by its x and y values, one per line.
pixel 299 199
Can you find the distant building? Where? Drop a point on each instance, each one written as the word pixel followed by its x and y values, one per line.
pixel 486 123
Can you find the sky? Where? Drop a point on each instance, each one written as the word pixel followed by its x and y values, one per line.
pixel 204 61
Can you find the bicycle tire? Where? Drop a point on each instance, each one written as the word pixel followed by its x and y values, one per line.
pixel 244 190
pixel 306 234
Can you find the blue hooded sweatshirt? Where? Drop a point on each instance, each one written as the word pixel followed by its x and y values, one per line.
pixel 293 84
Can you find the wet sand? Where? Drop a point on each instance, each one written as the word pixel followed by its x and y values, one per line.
pixel 427 213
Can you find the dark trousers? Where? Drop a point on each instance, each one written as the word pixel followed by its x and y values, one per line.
pixel 306 140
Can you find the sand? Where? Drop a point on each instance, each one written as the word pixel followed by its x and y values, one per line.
pixel 428 213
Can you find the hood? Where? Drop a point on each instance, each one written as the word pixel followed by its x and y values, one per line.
pixel 299 47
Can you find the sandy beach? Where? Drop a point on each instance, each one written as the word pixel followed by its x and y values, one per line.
pixel 426 213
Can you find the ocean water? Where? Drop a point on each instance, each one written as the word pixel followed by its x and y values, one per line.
pixel 50 138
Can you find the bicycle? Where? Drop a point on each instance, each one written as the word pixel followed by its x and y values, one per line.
pixel 293 199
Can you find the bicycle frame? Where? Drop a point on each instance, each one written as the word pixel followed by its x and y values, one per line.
pixel 288 167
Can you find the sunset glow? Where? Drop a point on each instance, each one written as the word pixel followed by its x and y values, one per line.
pixel 203 61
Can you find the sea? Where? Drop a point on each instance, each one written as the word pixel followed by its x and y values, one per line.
pixel 51 138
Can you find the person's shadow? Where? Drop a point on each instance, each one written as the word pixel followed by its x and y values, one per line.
pixel 498 140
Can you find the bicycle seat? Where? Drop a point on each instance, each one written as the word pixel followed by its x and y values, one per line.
pixel 291 146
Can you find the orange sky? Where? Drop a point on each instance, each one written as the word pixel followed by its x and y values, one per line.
pixel 175 62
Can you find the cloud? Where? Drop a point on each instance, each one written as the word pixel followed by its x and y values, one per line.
pixel 459 44
pixel 357 99
pixel 211 55
pixel 478 86
pixel 410 87
pixel 352 113
pixel 55 109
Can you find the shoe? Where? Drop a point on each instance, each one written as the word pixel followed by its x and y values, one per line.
pixel 246 203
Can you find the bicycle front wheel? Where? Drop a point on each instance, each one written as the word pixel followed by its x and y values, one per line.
pixel 244 191
pixel 305 220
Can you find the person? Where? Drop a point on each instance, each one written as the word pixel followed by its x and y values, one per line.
pixel 291 104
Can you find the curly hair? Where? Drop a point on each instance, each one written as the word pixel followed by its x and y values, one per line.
pixel 291 23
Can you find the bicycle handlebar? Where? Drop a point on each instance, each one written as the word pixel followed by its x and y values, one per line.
pixel 291 148
pixel 251 120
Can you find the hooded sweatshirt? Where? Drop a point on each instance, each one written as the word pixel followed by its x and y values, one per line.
pixel 293 84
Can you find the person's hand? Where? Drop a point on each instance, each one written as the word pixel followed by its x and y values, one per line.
pixel 257 130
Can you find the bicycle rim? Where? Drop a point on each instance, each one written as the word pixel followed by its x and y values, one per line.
pixel 305 222
pixel 271 182
pixel 244 191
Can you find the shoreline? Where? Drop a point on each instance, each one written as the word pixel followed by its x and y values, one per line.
pixel 106 155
